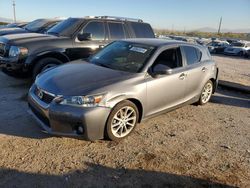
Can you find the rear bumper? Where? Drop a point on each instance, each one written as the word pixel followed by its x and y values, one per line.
pixel 65 120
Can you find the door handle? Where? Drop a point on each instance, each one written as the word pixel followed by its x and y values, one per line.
pixel 101 46
pixel 204 69
pixel 182 76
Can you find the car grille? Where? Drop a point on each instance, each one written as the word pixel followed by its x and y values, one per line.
pixel 2 49
pixel 41 117
pixel 43 95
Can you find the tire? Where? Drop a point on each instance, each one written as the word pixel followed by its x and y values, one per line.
pixel 44 64
pixel 240 54
pixel 206 93
pixel 117 125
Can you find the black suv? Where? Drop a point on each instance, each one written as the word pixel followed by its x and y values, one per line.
pixel 72 39
pixel 36 26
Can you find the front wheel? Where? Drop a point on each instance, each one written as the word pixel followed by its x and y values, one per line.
pixel 122 120
pixel 44 64
pixel 206 93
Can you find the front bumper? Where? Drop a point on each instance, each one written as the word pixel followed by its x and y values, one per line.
pixel 12 64
pixel 65 120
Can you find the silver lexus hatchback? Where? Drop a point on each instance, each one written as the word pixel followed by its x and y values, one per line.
pixel 126 82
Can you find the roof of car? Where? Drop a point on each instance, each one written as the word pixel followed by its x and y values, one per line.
pixel 157 42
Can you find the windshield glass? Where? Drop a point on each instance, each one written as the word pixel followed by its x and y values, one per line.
pixel 237 44
pixel 123 56
pixel 36 25
pixel 66 27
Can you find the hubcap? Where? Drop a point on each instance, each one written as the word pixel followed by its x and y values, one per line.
pixel 206 93
pixel 123 122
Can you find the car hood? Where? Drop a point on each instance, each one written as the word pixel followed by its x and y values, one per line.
pixel 9 31
pixel 25 37
pixel 79 78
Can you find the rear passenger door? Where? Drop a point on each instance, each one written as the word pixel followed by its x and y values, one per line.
pixel 196 71
pixel 83 49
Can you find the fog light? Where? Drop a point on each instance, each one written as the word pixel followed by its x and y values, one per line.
pixel 80 129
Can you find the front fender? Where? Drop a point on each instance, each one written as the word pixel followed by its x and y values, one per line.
pixel 48 53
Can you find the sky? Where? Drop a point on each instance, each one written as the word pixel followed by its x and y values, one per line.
pixel 161 14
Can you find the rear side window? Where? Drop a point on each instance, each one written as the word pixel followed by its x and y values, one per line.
pixel 116 31
pixel 142 30
pixel 193 55
pixel 96 29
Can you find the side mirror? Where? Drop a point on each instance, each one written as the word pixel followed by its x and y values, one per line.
pixel 162 70
pixel 84 36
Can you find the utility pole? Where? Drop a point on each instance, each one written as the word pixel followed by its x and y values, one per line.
pixel 14 11
pixel 220 25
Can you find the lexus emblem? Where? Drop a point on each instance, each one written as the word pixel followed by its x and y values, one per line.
pixel 40 94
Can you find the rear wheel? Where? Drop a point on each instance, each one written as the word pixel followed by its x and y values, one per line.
pixel 122 120
pixel 206 93
pixel 44 64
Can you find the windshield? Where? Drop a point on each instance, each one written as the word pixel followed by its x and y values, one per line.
pixel 36 25
pixel 66 27
pixel 237 44
pixel 123 56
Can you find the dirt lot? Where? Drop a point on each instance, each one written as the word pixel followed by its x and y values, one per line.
pixel 193 146
pixel 234 69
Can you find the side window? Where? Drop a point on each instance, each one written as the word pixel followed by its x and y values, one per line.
pixel 116 30
pixel 193 55
pixel 170 57
pixel 96 29
pixel 142 30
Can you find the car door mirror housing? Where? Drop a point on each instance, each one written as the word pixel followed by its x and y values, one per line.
pixel 84 36
pixel 162 70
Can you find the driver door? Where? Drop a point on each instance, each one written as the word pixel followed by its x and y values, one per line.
pixel 166 91
pixel 85 48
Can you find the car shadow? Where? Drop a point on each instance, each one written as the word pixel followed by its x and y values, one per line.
pixel 102 176
pixel 231 98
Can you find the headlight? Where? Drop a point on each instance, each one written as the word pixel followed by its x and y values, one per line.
pixel 85 101
pixel 16 51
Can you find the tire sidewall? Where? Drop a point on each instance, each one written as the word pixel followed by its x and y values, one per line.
pixel 42 63
pixel 108 133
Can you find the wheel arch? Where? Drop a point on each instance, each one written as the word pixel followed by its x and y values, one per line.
pixel 52 54
pixel 139 106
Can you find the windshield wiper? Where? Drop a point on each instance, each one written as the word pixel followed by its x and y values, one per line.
pixel 53 33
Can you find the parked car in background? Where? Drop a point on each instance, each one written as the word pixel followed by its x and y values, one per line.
pixel 237 48
pixel 72 39
pixel 36 26
pixel 203 41
pixel 247 54
pixel 217 46
pixel 14 25
pixel 126 82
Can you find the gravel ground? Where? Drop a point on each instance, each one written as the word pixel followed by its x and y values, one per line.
pixel 194 146
pixel 234 69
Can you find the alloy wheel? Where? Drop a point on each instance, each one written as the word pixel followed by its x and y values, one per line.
pixel 207 92
pixel 123 121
